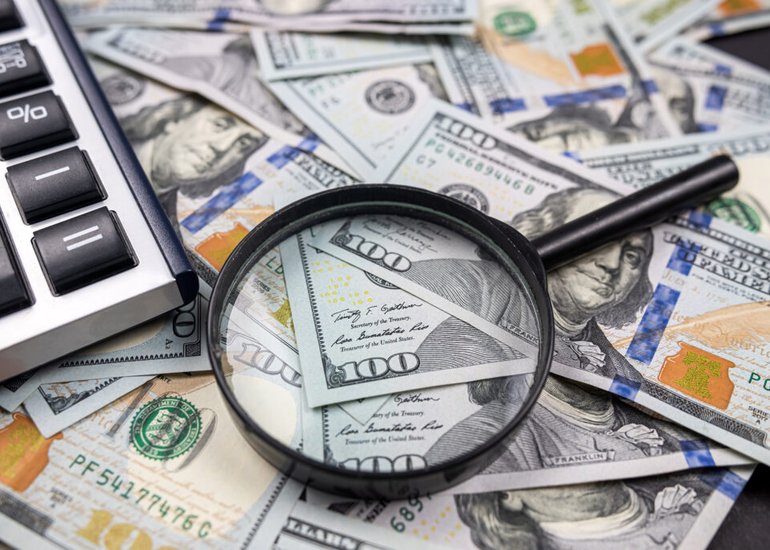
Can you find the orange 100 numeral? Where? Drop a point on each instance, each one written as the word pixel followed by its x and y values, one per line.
pixel 119 536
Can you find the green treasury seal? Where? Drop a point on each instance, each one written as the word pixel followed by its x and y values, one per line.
pixel 736 211
pixel 514 23
pixel 165 428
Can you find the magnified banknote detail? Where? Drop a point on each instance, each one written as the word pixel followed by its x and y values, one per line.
pixel 372 338
pixel 573 434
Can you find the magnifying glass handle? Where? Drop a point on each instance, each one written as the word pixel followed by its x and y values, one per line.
pixel 640 210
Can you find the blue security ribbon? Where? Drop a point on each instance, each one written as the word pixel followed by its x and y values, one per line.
pixel 658 313
pixel 624 387
pixel 697 453
pixel 221 202
pixel 715 98
pixel 717 28
pixel 726 482
pixel 650 86
pixel 283 156
pixel 310 143
pixel 586 96
pixel 507 105
pixel 222 14
pixel 703 127
pixel 654 322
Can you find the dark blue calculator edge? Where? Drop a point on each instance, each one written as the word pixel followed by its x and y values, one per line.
pixel 168 242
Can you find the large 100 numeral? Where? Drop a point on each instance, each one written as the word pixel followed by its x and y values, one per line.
pixel 376 252
pixel 377 367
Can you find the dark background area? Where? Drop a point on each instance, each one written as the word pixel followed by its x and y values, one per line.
pixel 753 46
pixel 745 525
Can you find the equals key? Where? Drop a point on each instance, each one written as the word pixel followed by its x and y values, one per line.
pixel 83 250
pixel 54 184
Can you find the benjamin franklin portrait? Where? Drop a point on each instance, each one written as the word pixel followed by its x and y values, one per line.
pixel 609 286
pixel 569 424
pixel 235 72
pixel 580 127
pixel 679 96
pixel 645 513
pixel 189 146
pixel 573 128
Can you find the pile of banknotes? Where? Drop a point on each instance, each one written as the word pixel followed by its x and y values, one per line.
pixel 658 405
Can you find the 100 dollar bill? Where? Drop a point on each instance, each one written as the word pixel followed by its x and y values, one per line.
pixel 359 337
pixel 572 435
pixel 652 22
pixel 451 152
pixel 710 90
pixel 677 510
pixel 275 14
pixel 697 353
pixel 562 74
pixel 221 67
pixel 165 466
pixel 362 115
pixel 216 177
pixel 284 54
pixel 640 165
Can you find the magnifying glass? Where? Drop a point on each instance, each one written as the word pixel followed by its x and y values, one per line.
pixel 455 390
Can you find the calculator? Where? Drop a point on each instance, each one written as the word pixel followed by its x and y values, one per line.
pixel 86 250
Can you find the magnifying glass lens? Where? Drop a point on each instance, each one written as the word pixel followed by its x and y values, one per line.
pixel 383 344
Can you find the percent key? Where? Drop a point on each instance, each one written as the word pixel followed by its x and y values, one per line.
pixel 32 123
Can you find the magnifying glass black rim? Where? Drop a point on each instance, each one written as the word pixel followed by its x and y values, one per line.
pixel 394 200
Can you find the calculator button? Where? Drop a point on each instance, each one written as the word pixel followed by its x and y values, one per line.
pixel 9 17
pixel 13 291
pixel 31 123
pixel 20 68
pixel 54 184
pixel 83 250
